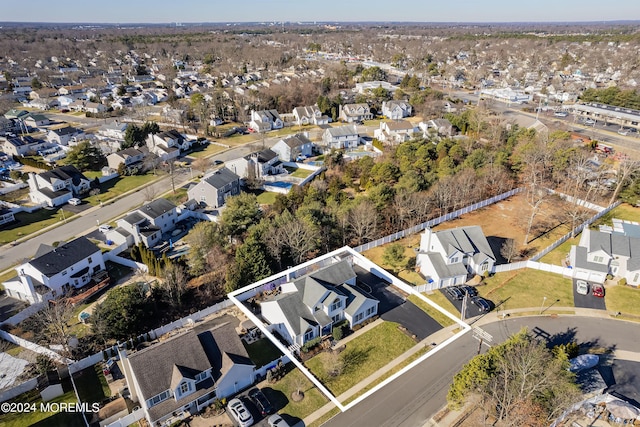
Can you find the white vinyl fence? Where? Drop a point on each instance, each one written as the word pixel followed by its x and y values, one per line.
pixel 436 221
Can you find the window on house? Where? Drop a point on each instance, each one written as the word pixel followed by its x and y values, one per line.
pixel 308 335
pixel 184 387
pixel 635 277
pixel 484 266
pixel 453 260
pixel 64 272
pixel 336 304
pixel 358 317
pixel 598 259
pixel 89 259
pixel 336 318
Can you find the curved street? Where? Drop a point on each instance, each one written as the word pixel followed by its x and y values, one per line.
pixel 412 399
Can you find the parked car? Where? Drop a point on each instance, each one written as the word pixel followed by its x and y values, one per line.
pixel 623 132
pixel 240 413
pixel 469 290
pixel 454 292
pixel 597 290
pixel 261 402
pixel 561 114
pixel 582 287
pixel 104 228
pixel 276 420
pixel 481 303
pixel 589 122
pixel 74 201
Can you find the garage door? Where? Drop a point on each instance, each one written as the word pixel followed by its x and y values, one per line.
pixel 597 277
pixel 584 275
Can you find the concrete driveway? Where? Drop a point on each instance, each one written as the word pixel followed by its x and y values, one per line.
pixel 588 301
pixel 394 307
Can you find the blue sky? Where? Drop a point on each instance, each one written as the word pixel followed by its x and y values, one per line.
pixel 158 11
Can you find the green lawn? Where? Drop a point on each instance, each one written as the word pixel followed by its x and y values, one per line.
pixel 625 211
pixel 92 174
pixel 28 223
pixel 363 356
pixel 623 299
pixel 120 185
pixel 527 288
pixel 91 385
pixel 560 253
pixel 443 302
pixel 408 275
pixel 432 312
pixel 267 198
pixel 262 352
pixel 37 418
pixel 179 197
pixel 299 172
pixel 209 151
pixel 280 393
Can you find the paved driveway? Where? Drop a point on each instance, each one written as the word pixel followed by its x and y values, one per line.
pixel 588 301
pixel 8 306
pixel 471 309
pixel 394 307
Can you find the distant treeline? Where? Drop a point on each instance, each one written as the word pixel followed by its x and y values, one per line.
pixel 613 96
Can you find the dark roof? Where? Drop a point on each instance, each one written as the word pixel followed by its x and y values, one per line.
pixel 296 140
pixel 156 208
pixel 67 130
pixel 263 156
pixel 64 256
pixel 64 173
pixel 170 134
pixel 134 218
pixel 220 178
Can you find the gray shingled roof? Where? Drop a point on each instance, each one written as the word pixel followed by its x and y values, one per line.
pixel 156 208
pixel 469 240
pixel 355 298
pixel 581 261
pixel 342 131
pixel 443 269
pixel 64 173
pixel 64 256
pixel 220 178
pixel 134 218
pixel 296 140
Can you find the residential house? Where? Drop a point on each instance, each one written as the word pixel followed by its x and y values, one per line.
pixel 57 186
pixel 54 271
pixel 87 106
pixel 167 145
pixel 64 135
pixel 396 110
pixel 265 120
pixel 113 130
pixel 16 114
pixel 441 127
pixel 394 132
pixel 130 157
pixel 22 145
pixel 611 250
pixel 308 307
pixel 6 216
pixel 343 137
pixel 71 90
pixel 35 120
pixel 447 257
pixel 256 165
pixel 351 113
pixel 64 101
pixel 310 115
pixel 184 374
pixel 6 125
pixel 294 147
pixel 214 189
pixel 43 93
pixel 43 104
pixel 148 223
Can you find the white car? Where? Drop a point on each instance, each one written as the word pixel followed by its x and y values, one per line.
pixel 582 287
pixel 589 122
pixel 276 420
pixel 75 202
pixel 104 228
pixel 561 114
pixel 239 413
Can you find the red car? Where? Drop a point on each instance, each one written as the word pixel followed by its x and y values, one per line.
pixel 597 290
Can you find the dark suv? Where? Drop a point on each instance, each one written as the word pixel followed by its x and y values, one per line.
pixel 470 290
pixel 454 292
pixel 261 402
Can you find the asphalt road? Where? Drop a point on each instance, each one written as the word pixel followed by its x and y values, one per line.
pixel 412 399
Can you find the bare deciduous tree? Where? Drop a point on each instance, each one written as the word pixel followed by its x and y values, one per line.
pixel 201 164
pixel 509 249
pixel 53 323
pixel 627 169
pixel 363 222
pixel 175 283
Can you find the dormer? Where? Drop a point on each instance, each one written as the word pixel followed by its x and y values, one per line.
pixel 183 381
pixel 599 257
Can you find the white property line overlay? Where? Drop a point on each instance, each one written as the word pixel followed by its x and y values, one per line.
pixel 401 285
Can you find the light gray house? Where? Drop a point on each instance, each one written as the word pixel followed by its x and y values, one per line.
pixel 394 132
pixel 614 251
pixel 447 257
pixel 355 113
pixel 265 120
pixel 396 110
pixel 181 376
pixel 130 157
pixel 148 223
pixel 63 135
pixel 293 147
pixel 214 189
pixel 256 165
pixel 310 115
pixel 343 137
pixel 308 307
pixel 167 145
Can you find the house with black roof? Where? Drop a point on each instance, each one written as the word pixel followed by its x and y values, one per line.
pixel 57 186
pixel 23 145
pixel 167 145
pixel 256 165
pixel 178 377
pixel 214 189
pixel 64 135
pixel 292 148
pixel 56 270
pixel 147 224
pixel 308 306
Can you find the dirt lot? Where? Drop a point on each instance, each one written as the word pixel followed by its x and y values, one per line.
pixel 508 220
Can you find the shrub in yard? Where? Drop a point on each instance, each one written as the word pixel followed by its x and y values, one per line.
pixel 622 281
pixel 310 344
pixel 338 330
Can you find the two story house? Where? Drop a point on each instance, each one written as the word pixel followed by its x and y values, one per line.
pixel 256 165
pixel 396 110
pixel 23 145
pixel 148 223
pixel 447 257
pixel 57 186
pixel 355 113
pixel 130 157
pixel 265 120
pixel 181 376
pixel 64 135
pixel 308 307
pixel 54 271
pixel 294 147
pixel 614 251
pixel 343 137
pixel 310 115
pixel 214 189
pixel 394 132
pixel 167 145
